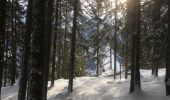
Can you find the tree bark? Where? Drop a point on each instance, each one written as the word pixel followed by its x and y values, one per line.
pixel 54 47
pixel 115 40
pixel 65 44
pixel 13 28
pixel 135 64
pixel 2 38
pixel 156 39
pixel 167 77
pixel 110 54
pixel 49 19
pixel 35 89
pixel 73 42
pixel 26 56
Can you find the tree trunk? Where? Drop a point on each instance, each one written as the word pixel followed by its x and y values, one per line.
pixel 135 64
pixel 6 57
pixel 59 37
pixel 110 54
pixel 126 58
pixel 24 67
pixel 115 40
pixel 156 23
pixel 54 47
pixel 53 59
pixel 13 22
pixel 128 31
pixel 49 13
pixel 35 89
pixel 167 77
pixel 73 42
pixel 6 50
pixel 2 38
pixel 120 71
pixel 97 47
pixel 65 44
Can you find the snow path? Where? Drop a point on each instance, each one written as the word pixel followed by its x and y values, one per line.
pixel 102 88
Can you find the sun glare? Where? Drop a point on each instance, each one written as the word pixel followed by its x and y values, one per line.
pixel 118 1
pixel 123 1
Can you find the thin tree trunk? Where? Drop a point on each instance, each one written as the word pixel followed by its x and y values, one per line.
pixel 54 47
pixel 97 62
pixel 110 54
pixel 6 49
pixel 128 31
pixel 59 36
pixel 13 66
pixel 24 67
pixel 49 20
pixel 6 56
pixel 115 40
pixel 156 50
pixel 73 42
pixel 120 71
pixel 97 47
pixel 2 38
pixel 126 63
pixel 65 43
pixel 167 77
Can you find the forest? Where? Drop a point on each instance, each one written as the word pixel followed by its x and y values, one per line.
pixel 84 50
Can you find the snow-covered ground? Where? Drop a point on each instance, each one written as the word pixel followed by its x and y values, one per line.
pixel 102 88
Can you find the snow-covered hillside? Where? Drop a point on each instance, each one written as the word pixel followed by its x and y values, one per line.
pixel 102 88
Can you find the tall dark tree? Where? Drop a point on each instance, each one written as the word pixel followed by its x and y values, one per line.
pixel 2 38
pixel 65 57
pixel 135 64
pixel 115 40
pixel 156 38
pixel 110 54
pixel 35 88
pixel 73 42
pixel 48 27
pixel 59 40
pixel 126 56
pixel 24 67
pixel 54 46
pixel 167 77
pixel 128 31
pixel 13 32
pixel 97 39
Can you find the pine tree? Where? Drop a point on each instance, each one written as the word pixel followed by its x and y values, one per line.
pixel 156 39
pixel 24 67
pixel 65 57
pixel 135 64
pixel 115 40
pixel 73 42
pixel 35 88
pixel 59 40
pixel 2 38
pixel 126 55
pixel 13 32
pixel 167 77
pixel 54 46
pixel 48 27
pixel 110 54
pixel 97 39
pixel 128 31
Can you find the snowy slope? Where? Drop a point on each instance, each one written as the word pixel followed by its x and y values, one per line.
pixel 102 88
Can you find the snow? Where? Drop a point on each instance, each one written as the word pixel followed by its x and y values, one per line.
pixel 9 93
pixel 102 88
